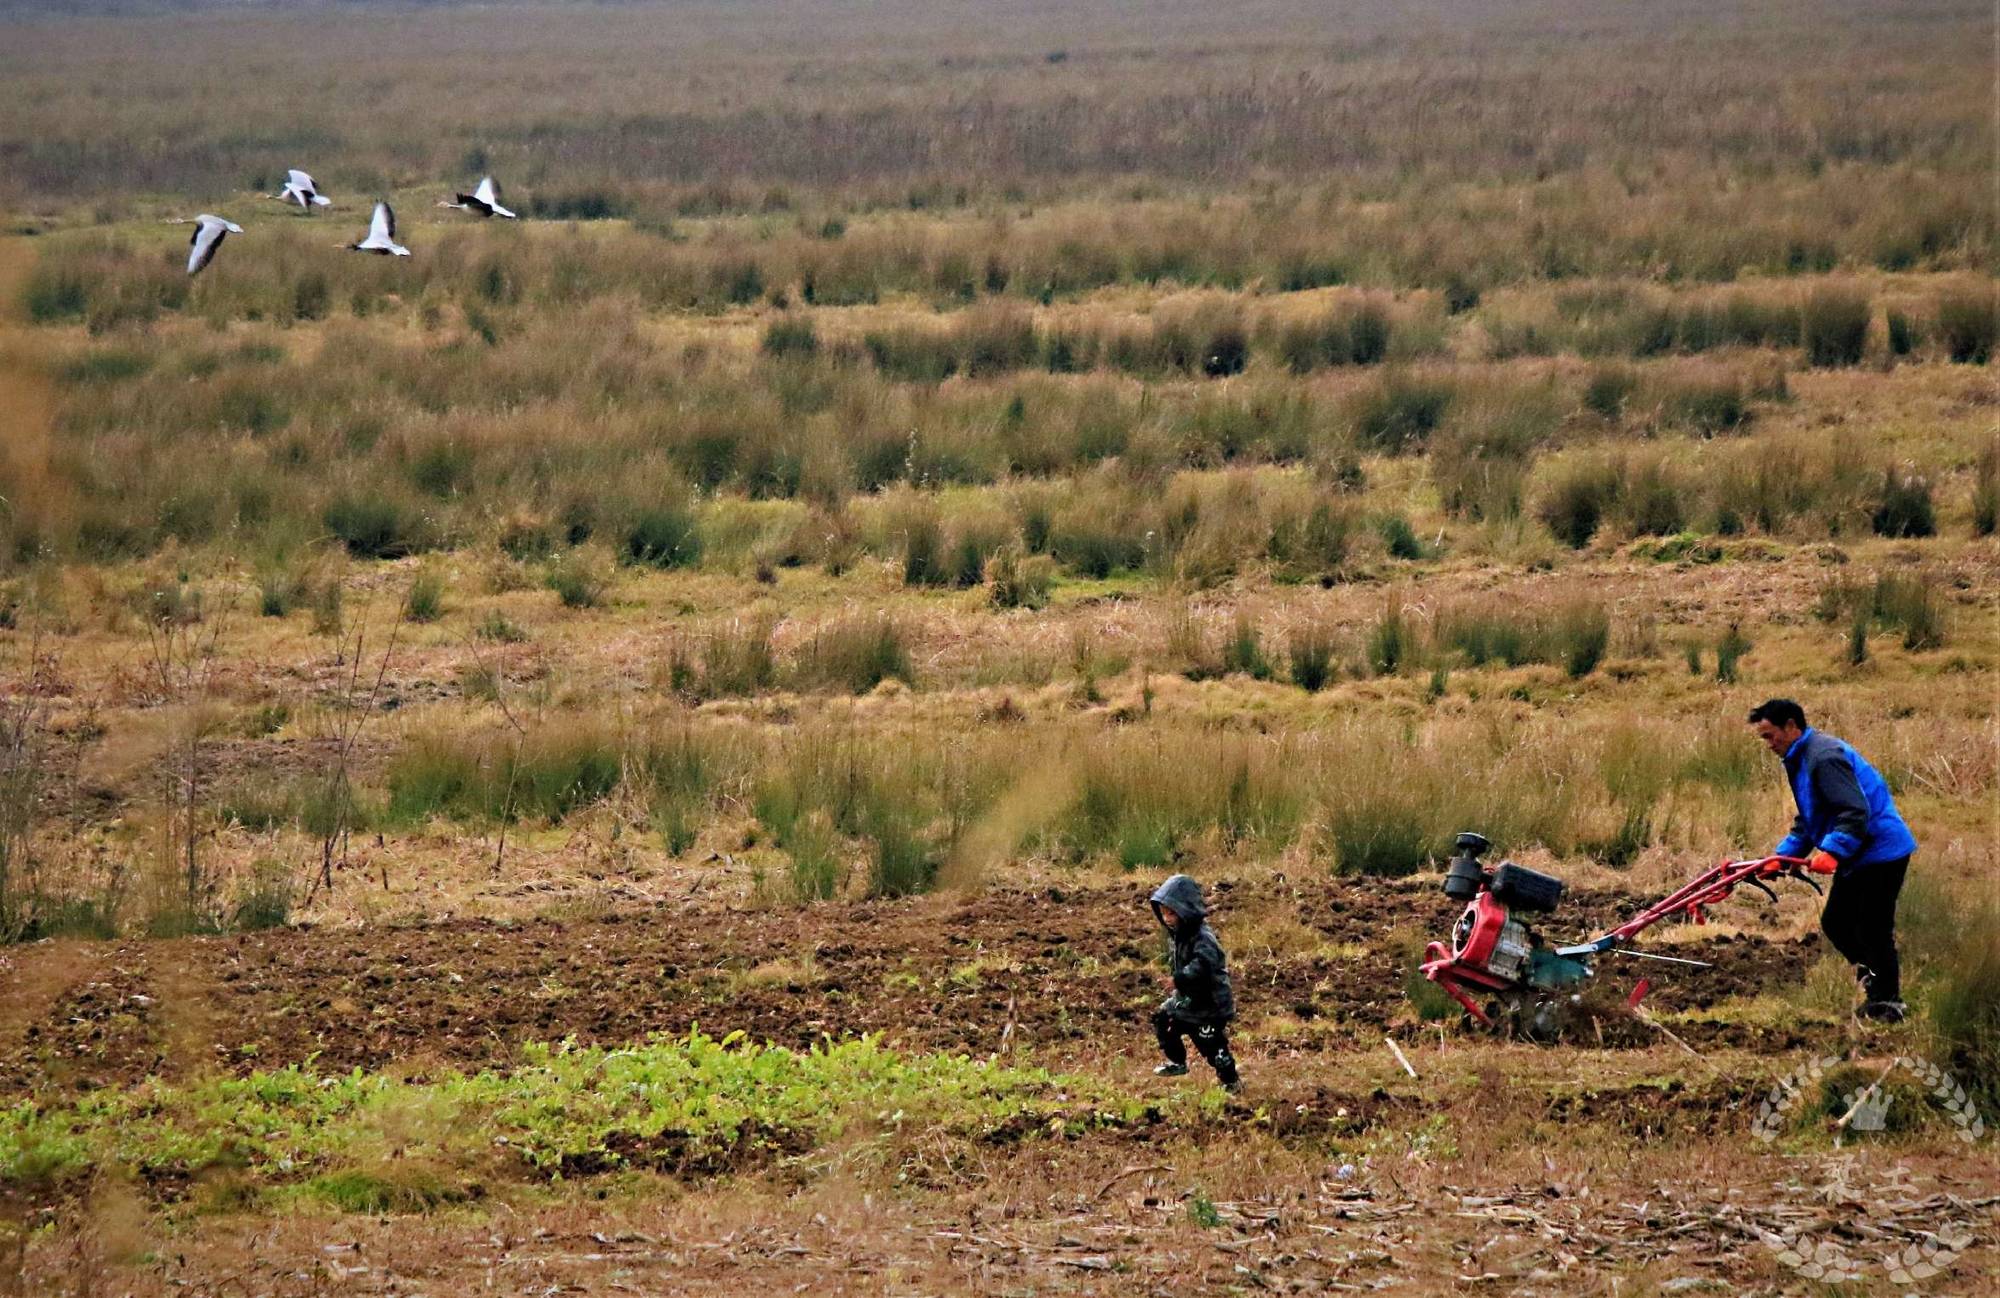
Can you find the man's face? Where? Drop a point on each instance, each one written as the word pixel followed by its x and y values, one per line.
pixel 1776 738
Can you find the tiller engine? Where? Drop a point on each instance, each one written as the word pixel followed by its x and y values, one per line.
pixel 1508 978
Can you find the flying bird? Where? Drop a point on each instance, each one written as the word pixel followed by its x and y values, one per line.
pixel 484 200
pixel 301 189
pixel 381 234
pixel 209 232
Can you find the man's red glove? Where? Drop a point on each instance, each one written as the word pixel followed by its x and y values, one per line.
pixel 1822 863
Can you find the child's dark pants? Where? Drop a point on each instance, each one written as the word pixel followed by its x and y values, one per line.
pixel 1212 1039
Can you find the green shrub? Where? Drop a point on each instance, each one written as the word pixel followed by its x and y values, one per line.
pixel 1584 631
pixel 1578 500
pixel 1609 388
pixel 1902 333
pixel 816 867
pixel 1244 651
pixel 1913 603
pixel 903 863
pixel 994 340
pixel 1482 633
pixel 678 774
pixel 1019 580
pixel 1368 332
pixel 1311 653
pixel 738 658
pixel 1652 500
pixel 1967 325
pixel 856 655
pixel 1306 345
pixel 923 550
pixel 310 296
pixel 965 562
pixel 578 580
pixel 1356 335
pixel 374 526
pixel 105 365
pixel 1400 538
pixel 1834 326
pixel 791 337
pixel 1476 486
pixel 425 601
pixel 55 294
pixel 328 598
pixel 501 629
pixel 1380 831
pixel 265 900
pixel 664 535
pixel 1986 491
pixel 1903 508
pixel 1723 756
pixel 1729 651
pixel 1391 642
pixel 280 589
pixel 1956 939
pixel 913 354
pixel 1095 537
pixel 544 775
pixel 1400 413
pixel 1704 404
pixel 1313 543
pixel 443 468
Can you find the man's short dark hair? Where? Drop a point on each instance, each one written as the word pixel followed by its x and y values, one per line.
pixel 1780 713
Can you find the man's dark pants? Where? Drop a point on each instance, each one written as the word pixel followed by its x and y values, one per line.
pixel 1860 921
pixel 1212 1039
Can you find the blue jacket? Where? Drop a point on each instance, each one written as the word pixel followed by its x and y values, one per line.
pixel 1844 805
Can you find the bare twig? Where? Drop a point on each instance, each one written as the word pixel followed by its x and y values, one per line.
pixel 347 732
pixel 1661 1028
pixel 1129 1172
pixel 1861 1100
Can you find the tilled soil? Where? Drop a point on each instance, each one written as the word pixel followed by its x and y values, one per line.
pixel 1068 974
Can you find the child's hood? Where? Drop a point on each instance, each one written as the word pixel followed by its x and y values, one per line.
pixel 1181 895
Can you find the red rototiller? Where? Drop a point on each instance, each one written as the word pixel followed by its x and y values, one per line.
pixel 1526 985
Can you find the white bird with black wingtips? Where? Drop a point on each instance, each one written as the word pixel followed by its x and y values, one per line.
pixel 381 234
pixel 483 201
pixel 209 232
pixel 303 190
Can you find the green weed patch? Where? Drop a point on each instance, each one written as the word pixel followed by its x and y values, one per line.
pixel 689 1105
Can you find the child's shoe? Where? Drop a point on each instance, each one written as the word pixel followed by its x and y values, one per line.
pixel 1170 1070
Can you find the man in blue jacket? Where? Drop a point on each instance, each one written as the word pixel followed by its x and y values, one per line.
pixel 1847 824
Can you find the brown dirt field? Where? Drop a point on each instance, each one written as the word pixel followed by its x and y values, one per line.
pixel 1081 1218
pixel 1073 972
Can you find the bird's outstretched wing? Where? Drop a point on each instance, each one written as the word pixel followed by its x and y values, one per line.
pixel 488 192
pixel 209 232
pixel 300 180
pixel 382 228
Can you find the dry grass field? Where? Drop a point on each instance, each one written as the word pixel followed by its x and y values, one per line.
pixel 623 752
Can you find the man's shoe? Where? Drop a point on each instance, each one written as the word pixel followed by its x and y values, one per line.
pixel 1170 1070
pixel 1883 1011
